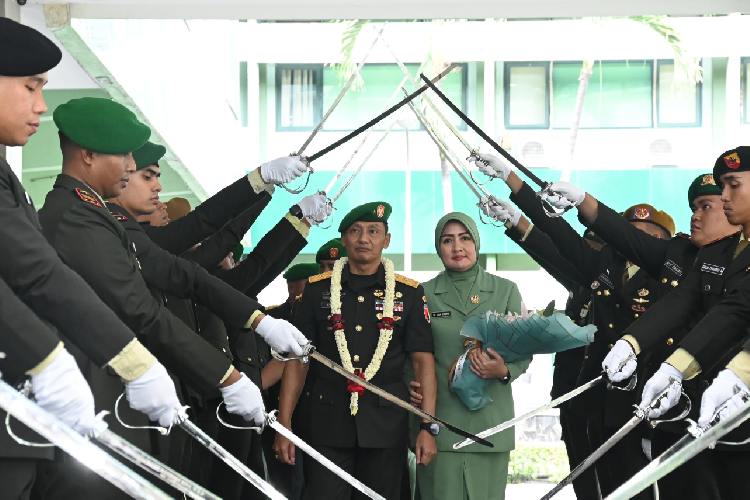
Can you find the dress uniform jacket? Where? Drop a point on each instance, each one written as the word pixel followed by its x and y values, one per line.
pixel 91 241
pixel 378 423
pixel 208 217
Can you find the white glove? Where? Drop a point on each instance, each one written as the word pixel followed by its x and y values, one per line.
pixel 725 394
pixel 282 170
pixel 666 377
pixel 153 393
pixel 562 195
pixel 620 362
pixel 500 210
pixel 243 398
pixel 492 166
pixel 61 390
pixel 315 208
pixel 282 336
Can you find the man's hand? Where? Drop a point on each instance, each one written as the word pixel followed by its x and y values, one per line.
pixel 620 362
pixel 153 393
pixel 315 208
pixel 426 448
pixel 282 170
pixel 725 394
pixel 491 165
pixel 61 390
pixel 562 195
pixel 282 336
pixel 243 398
pixel 669 378
pixel 500 210
pixel 284 450
pixel 415 394
pixel 487 364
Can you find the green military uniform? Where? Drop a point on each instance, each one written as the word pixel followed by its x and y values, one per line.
pixel 474 472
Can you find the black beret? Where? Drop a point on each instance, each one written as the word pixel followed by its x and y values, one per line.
pixel 734 160
pixel 24 51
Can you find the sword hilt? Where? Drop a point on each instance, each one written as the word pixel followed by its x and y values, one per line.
pixel 549 209
pixel 307 349
pixel 310 171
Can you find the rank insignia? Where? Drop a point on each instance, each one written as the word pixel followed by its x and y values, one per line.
pixel 643 292
pixel 732 161
pixel 474 299
pixel 641 301
pixel 88 197
pixel 398 306
pixel 642 213
pixel 379 294
pixel 380 211
pixel 333 253
pixel 708 180
pixel 426 311
pixel 638 308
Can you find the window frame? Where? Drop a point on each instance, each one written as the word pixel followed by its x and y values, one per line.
pixel 547 65
pixel 657 95
pixel 317 99
pixel 744 90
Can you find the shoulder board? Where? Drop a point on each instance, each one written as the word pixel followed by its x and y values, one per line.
pixel 88 197
pixel 407 281
pixel 319 277
pixel 120 217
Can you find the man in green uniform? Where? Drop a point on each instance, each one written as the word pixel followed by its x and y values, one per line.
pixel 329 253
pixel 369 319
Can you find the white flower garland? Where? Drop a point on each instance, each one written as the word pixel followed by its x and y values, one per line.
pixel 385 333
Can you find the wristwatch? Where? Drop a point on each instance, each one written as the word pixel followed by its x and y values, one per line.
pixel 430 427
pixel 296 211
pixel 506 378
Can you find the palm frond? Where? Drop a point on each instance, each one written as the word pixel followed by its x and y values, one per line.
pixel 690 65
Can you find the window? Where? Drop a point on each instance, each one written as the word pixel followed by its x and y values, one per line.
pixel 526 88
pixel 619 95
pixel 678 100
pixel 378 90
pixel 745 85
pixel 298 90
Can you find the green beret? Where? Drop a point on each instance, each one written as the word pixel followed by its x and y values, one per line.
pixel 237 252
pixel 703 185
pixel 101 125
pixel 332 250
pixel 24 51
pixel 148 154
pixel 301 271
pixel 734 160
pixel 376 211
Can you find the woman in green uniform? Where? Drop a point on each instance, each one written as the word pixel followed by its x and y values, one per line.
pixel 463 289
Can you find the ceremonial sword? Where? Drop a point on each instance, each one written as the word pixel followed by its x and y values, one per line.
pixel 476 128
pixel 75 445
pixel 272 422
pixel 215 448
pixel 329 363
pixel 697 440
pixel 641 414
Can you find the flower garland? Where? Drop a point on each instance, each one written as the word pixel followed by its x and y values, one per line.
pixel 385 326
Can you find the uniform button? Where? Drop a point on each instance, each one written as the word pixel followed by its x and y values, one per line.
pixel 611 325
pixel 706 288
pixel 358 328
pixel 674 283
pixel 611 346
pixel 360 299
pixel 664 280
pixel 617 306
pixel 320 397
pixel 250 360
pixel 636 315
pixel 355 358
pixel 598 292
pixel 670 341
pixel 606 293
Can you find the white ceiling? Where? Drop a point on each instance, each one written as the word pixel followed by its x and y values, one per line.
pixel 391 9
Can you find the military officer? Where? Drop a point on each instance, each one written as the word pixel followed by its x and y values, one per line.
pixel 329 253
pixel 33 272
pixel 370 319
pixel 620 291
pixel 296 278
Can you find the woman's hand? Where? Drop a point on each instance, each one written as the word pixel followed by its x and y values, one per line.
pixel 487 364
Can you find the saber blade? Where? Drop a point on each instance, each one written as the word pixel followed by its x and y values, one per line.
pixel 324 461
pixel 153 466
pixel 552 404
pixel 251 477
pixel 394 399
pixel 380 117
pixel 483 134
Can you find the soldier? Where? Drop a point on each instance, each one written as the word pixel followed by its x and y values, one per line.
pixel 48 290
pixel 620 290
pixel 369 319
pixel 296 278
pixel 712 300
pixel 329 253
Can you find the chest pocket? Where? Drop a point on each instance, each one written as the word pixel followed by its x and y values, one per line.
pixel 712 283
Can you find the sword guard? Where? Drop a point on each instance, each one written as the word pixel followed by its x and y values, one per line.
pixel 681 416
pixel 226 424
pixel 632 382
pixel 164 431
pixel 551 211
pixel 304 359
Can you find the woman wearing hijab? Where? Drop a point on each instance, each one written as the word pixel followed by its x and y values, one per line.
pixel 463 289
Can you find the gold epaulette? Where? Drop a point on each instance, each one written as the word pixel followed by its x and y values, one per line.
pixel 319 277
pixel 407 281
